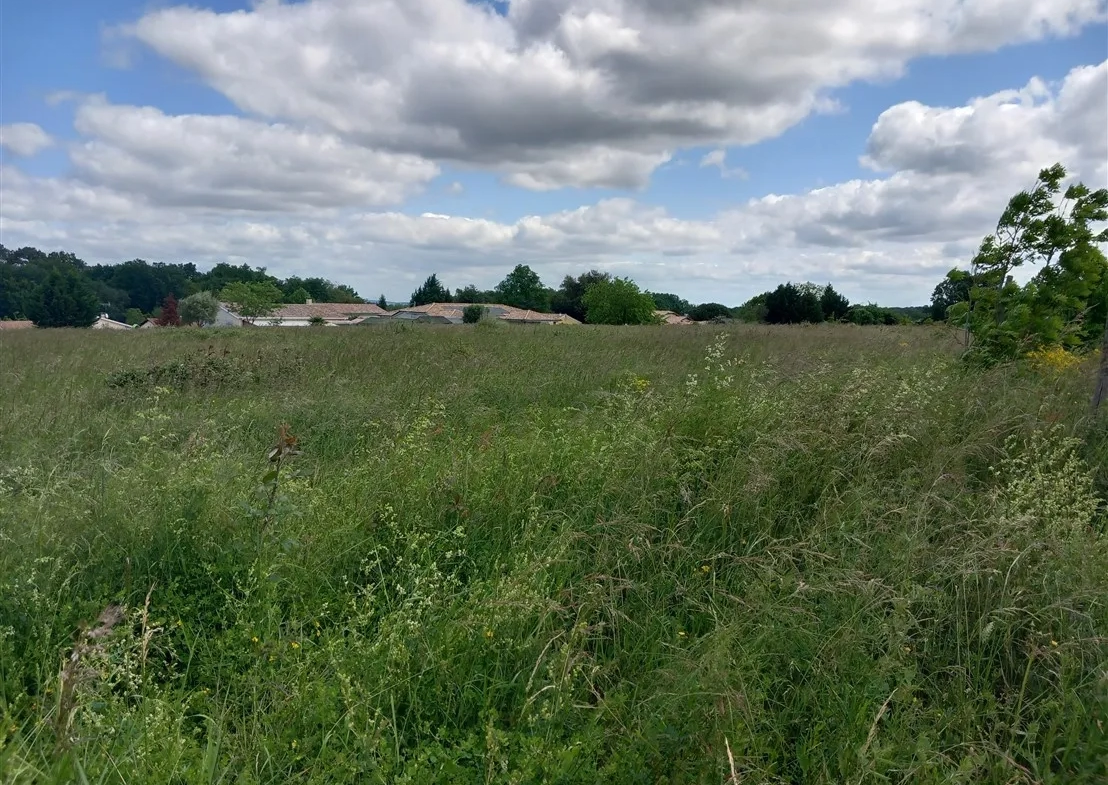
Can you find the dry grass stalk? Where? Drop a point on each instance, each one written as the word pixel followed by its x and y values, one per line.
pixel 74 672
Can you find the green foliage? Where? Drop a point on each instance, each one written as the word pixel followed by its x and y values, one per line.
pixel 953 289
pixel 199 309
pixel 471 294
pixel 473 313
pixel 670 302
pixel 835 307
pixel 1066 302
pixel 298 296
pixel 618 301
pixel 872 314
pixel 64 299
pixel 522 288
pixel 252 300
pixel 570 296
pixel 753 310
pixel 568 556
pixel 134 316
pixel 791 303
pixel 431 291
pixel 382 303
pixel 706 312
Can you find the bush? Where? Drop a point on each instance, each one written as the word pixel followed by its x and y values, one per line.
pixel 473 313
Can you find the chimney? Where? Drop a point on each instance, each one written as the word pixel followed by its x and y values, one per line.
pixel 309 301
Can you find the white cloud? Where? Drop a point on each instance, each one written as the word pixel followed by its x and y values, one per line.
pixel 718 159
pixel 24 139
pixel 604 88
pixel 233 163
pixel 210 189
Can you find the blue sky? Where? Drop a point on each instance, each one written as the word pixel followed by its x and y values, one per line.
pixel 567 134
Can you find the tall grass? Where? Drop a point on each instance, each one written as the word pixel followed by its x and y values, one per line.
pixel 560 555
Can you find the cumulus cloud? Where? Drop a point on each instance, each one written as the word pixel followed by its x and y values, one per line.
pixel 233 163
pixel 718 159
pixel 602 88
pixel 24 139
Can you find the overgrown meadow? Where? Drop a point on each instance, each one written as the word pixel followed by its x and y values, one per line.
pixel 500 554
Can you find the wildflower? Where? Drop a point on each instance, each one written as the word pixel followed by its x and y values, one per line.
pixel 295 645
pixel 179 624
pixel 680 633
pixel 1054 643
pixel 294 744
pixel 272 658
pixel 705 568
pixel 254 640
pixel 488 635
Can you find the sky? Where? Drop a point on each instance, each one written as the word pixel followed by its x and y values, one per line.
pixel 710 148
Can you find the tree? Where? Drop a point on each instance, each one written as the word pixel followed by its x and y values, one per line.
pixel 473 313
pixel 64 299
pixel 317 321
pixel 169 316
pixel 705 312
pixel 297 296
pixel 790 303
pixel 252 300
pixel 1066 302
pixel 199 309
pixel 834 306
pixel 431 291
pixel 522 288
pixel 471 294
pixel 382 303
pixel 569 298
pixel 134 316
pixel 663 301
pixel 618 301
pixel 953 289
pixel 753 310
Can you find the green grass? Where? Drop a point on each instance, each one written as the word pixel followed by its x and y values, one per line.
pixel 548 555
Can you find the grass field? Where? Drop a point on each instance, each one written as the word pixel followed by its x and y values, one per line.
pixel 547 555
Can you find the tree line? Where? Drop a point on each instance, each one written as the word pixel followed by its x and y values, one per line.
pixel 60 289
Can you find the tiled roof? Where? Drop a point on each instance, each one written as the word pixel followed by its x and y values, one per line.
pixel 328 310
pixel 496 310
pixel 18 324
pixel 672 317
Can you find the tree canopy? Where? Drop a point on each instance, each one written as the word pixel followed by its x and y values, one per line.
pixel 522 288
pixel 618 301
pixel 199 309
pixel 569 298
pixel 252 300
pixel 63 299
pixel 430 291
pixel 1066 302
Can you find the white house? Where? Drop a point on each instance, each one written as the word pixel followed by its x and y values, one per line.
pixel 104 323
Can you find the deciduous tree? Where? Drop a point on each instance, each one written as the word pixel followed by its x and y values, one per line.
pixel 618 301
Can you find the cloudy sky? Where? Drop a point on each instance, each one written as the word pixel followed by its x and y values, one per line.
pixel 711 148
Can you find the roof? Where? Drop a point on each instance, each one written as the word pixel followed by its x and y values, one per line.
pixel 107 321
pixel 454 312
pixel 16 324
pixel 327 311
pixel 672 317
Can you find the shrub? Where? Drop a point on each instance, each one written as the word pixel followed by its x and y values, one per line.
pixel 473 313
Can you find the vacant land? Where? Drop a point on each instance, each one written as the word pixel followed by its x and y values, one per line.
pixel 560 555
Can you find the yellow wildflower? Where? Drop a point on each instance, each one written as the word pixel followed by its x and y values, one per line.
pixel 295 645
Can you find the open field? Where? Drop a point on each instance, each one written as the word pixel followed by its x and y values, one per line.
pixel 548 555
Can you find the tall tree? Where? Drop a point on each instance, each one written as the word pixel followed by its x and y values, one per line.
pixel 64 299
pixel 252 300
pixel 569 298
pixel 618 301
pixel 169 316
pixel 790 303
pixel 833 304
pixel 665 301
pixel 382 303
pixel 953 289
pixel 1066 302
pixel 431 291
pixel 522 288
pixel 199 309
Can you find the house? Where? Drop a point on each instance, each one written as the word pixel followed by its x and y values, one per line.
pixel 672 317
pixel 148 324
pixel 332 314
pixel 452 313
pixel 16 324
pixel 104 323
